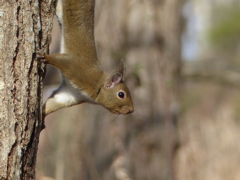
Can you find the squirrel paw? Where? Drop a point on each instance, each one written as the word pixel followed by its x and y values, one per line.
pixel 41 57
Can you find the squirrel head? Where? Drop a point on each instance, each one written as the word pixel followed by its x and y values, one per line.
pixel 114 95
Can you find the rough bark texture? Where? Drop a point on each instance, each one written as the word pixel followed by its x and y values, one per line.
pixel 24 29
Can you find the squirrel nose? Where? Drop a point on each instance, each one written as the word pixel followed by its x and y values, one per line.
pixel 130 110
pixel 126 110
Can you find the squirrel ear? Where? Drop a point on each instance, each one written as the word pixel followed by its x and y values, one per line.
pixel 121 67
pixel 115 79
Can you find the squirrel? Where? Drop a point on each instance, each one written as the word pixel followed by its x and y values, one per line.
pixel 83 78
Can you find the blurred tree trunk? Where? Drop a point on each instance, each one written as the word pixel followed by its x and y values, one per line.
pixel 157 139
pixel 25 28
pixel 170 66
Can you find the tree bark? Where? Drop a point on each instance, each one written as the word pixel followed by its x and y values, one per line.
pixel 25 28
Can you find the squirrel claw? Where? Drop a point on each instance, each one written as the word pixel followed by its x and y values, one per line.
pixel 41 58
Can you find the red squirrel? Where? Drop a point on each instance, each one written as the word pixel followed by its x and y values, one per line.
pixel 83 78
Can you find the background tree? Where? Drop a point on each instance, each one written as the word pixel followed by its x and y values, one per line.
pixel 25 28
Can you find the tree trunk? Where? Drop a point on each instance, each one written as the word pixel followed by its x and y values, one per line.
pixel 25 28
pixel 170 81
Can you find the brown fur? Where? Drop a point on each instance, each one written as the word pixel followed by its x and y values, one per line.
pixel 80 67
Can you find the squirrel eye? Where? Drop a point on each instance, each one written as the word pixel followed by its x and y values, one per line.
pixel 121 94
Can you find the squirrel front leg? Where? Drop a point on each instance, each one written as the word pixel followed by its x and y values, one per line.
pixel 60 61
pixel 63 96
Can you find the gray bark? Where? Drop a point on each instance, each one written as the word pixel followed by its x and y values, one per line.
pixel 25 28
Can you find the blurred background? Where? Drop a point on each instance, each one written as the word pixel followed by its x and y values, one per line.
pixel 183 70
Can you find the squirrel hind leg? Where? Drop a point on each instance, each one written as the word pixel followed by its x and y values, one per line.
pixel 59 99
